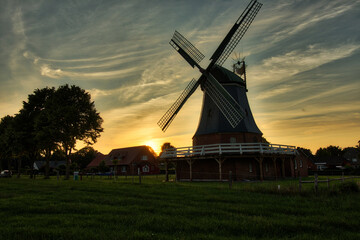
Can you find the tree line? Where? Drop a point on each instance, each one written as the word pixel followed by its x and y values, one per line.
pixel 50 122
pixel 329 151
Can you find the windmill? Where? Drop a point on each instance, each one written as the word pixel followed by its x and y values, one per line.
pixel 217 84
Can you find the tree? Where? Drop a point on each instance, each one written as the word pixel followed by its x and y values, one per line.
pixel 115 162
pixel 42 133
pixel 102 167
pixel 165 146
pixel 84 156
pixel 329 151
pixel 5 141
pixel 74 117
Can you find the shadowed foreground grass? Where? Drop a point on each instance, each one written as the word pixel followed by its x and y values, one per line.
pixel 105 209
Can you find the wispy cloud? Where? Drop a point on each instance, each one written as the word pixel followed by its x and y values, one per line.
pixel 275 69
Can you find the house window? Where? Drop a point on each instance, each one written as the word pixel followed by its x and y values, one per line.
pixel 145 168
pixel 301 163
pixel 250 167
pixel 144 157
pixel 266 167
pixel 295 164
pixel 232 140
pixel 123 169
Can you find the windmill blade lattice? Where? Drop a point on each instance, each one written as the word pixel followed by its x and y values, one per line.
pixel 232 111
pixel 170 114
pixel 191 54
pixel 236 33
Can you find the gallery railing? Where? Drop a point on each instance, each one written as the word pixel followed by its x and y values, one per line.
pixel 229 148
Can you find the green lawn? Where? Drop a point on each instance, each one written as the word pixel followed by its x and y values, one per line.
pixel 105 209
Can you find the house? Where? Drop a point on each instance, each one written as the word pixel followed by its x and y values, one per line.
pixel 129 161
pixel 352 155
pixel 99 157
pixel 330 162
pixel 40 165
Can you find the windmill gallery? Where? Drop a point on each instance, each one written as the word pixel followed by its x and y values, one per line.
pixel 227 143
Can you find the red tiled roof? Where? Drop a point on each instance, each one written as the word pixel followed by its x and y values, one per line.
pixel 97 160
pixel 126 156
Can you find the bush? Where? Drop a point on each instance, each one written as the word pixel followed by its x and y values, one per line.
pixel 348 187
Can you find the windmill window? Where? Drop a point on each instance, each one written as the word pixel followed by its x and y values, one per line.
pixel 301 163
pixel 295 164
pixel 266 167
pixel 232 140
pixel 123 169
pixel 250 167
pixel 144 157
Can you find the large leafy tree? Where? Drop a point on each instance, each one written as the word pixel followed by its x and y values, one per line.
pixel 38 134
pixel 73 117
pixel 5 141
pixel 51 119
pixel 329 151
pixel 84 156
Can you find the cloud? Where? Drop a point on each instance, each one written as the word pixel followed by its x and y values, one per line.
pixel 275 69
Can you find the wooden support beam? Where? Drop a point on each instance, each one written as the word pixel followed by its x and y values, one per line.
pixel 175 171
pixel 274 162
pixel 283 167
pixel 190 162
pixel 260 161
pixel 220 161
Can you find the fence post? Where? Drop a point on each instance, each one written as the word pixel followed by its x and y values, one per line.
pixel 316 182
pixel 300 184
pixel 166 172
pixel 328 182
pixel 139 173
pixel 230 179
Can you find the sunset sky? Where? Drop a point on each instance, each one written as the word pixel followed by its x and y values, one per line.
pixel 303 64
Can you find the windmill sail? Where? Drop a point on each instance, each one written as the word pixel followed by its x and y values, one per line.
pixel 191 54
pixel 170 114
pixel 235 34
pixel 232 111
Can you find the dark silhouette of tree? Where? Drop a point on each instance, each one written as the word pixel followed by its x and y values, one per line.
pixel 330 151
pixel 84 156
pixel 74 117
pixel 6 140
pixel 166 145
pixel 50 120
pixel 40 136
pixel 102 167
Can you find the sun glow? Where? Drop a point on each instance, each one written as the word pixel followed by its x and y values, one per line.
pixel 154 145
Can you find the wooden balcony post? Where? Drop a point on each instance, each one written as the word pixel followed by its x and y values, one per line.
pixel 220 161
pixel 274 162
pixel 260 160
pixel 190 162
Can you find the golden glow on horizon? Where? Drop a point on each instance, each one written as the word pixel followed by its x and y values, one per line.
pixel 154 145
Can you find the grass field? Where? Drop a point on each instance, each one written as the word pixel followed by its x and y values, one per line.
pixel 108 209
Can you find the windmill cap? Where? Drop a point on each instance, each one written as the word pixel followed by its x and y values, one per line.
pixel 225 76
